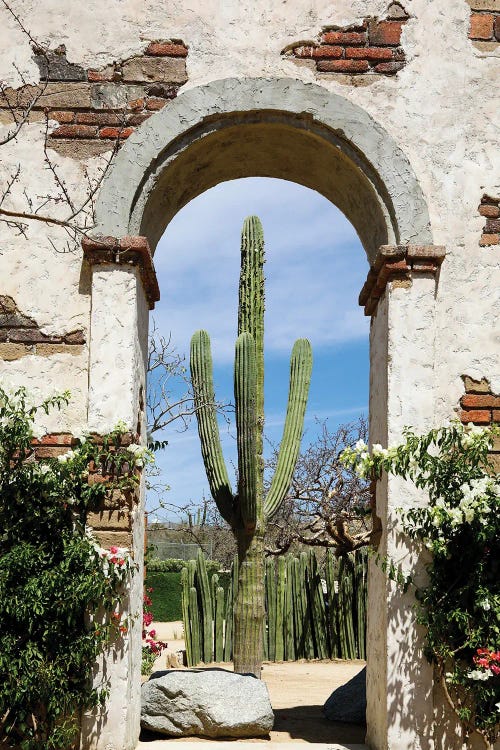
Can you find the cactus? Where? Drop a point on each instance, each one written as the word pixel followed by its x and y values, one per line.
pixel 248 510
pixel 185 616
pixel 271 609
pixel 307 606
pixel 280 609
pixel 288 615
pixel 346 606
pixel 205 608
pixel 318 608
pixel 231 597
pixel 360 561
pixel 331 576
pixel 219 624
pixel 194 617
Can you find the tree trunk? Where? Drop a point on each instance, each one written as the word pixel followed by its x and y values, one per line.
pixel 250 610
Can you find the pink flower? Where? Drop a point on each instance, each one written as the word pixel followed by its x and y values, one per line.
pixel 495 668
pixel 113 550
pixel 152 633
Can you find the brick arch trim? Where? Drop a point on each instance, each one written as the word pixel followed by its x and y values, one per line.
pixel 137 198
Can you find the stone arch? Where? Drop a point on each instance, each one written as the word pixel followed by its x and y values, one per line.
pixel 301 132
pixel 261 127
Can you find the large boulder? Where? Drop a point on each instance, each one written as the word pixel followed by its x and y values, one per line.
pixel 206 702
pixel 348 702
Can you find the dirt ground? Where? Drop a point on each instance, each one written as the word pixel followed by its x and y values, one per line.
pixel 297 690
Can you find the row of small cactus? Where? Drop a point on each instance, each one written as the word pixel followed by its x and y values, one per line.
pixel 307 616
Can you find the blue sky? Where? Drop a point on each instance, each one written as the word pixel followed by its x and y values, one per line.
pixel 315 268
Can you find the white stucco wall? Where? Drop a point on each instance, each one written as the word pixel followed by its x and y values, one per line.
pixel 442 110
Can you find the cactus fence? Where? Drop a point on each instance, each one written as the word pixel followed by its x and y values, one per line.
pixel 309 615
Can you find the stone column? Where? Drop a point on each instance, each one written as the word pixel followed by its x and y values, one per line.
pixel 400 295
pixel 124 289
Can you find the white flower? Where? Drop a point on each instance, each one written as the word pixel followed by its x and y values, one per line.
pixel 65 457
pixel 43 468
pixel 361 446
pixel 80 435
pixel 37 431
pixel 476 674
pixel 485 604
pixel 497 706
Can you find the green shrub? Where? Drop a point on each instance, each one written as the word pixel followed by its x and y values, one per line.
pixel 166 595
pixel 53 575
pixel 166 585
pixel 173 565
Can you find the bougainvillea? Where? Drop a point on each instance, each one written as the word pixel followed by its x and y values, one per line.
pixel 460 526
pixel 60 591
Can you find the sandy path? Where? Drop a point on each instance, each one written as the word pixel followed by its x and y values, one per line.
pixel 297 690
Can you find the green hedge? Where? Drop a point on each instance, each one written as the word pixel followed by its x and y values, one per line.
pixel 166 595
pixel 173 565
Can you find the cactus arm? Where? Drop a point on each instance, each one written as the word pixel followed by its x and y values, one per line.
pixel 208 429
pixel 251 305
pixel 246 425
pixel 300 377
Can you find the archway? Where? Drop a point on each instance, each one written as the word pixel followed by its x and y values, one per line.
pixel 280 128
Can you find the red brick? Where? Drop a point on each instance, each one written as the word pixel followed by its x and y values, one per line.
pixel 97 118
pixel 75 131
pixel 369 53
pixel 490 211
pixel 343 66
pixel 496 415
pixel 50 452
pixel 138 119
pixel 75 337
pixel 389 67
pixel 166 49
pixel 155 103
pixel 57 438
pixel 99 75
pixel 492 226
pixel 489 239
pixel 136 104
pixel 481 26
pixel 477 416
pixel 474 401
pixel 115 132
pixel 62 117
pixel 327 50
pixel 344 37
pixel 132 242
pixel 385 33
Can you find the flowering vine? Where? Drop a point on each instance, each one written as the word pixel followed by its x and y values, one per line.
pixel 460 526
pixel 60 591
pixel 151 647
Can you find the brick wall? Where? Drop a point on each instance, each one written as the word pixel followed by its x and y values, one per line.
pixel 481 406
pixel 95 107
pixel 20 335
pixel 484 23
pixel 112 522
pixel 490 209
pixel 372 46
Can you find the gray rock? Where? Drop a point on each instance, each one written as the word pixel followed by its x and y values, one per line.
pixel 206 702
pixel 348 702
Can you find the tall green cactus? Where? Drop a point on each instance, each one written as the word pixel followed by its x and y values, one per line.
pixel 248 510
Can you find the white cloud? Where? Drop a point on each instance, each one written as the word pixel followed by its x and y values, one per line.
pixel 315 268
